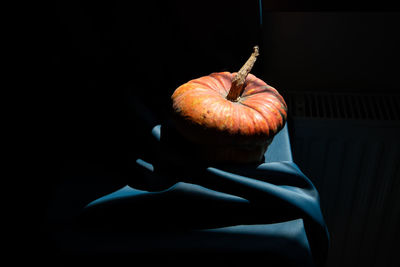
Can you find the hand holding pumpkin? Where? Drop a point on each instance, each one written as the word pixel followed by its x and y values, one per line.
pixel 232 116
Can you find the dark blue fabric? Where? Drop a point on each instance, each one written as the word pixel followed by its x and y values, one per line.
pixel 189 205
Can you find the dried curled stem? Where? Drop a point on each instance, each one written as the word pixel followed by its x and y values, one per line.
pixel 239 80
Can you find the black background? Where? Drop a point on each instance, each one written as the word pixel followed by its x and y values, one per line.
pixel 104 56
pixel 113 65
pixel 110 61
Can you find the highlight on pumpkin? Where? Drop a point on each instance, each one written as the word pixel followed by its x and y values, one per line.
pixel 229 117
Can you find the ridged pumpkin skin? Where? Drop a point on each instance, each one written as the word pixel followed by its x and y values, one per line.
pixel 228 131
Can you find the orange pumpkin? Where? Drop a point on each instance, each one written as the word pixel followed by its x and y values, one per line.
pixel 233 117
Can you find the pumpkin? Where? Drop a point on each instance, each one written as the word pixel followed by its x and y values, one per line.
pixel 231 117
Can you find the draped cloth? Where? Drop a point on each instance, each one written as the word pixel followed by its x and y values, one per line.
pixel 270 209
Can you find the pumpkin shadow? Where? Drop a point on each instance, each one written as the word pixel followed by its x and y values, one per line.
pixel 176 159
pixel 187 152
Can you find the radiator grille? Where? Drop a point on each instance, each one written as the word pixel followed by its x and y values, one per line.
pixel 343 106
pixel 349 146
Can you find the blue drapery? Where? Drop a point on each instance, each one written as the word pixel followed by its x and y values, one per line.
pixel 270 208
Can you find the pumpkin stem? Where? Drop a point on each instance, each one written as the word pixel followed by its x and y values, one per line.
pixel 239 80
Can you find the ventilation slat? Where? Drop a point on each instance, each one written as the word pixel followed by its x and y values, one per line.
pixel 364 108
pixel 330 104
pixel 356 107
pixel 381 103
pixel 300 106
pixel 395 108
pixel 309 106
pixel 377 107
pixel 322 106
pixel 339 108
pixel 344 106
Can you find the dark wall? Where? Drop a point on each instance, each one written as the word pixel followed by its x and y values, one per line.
pixel 332 51
pixel 109 59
